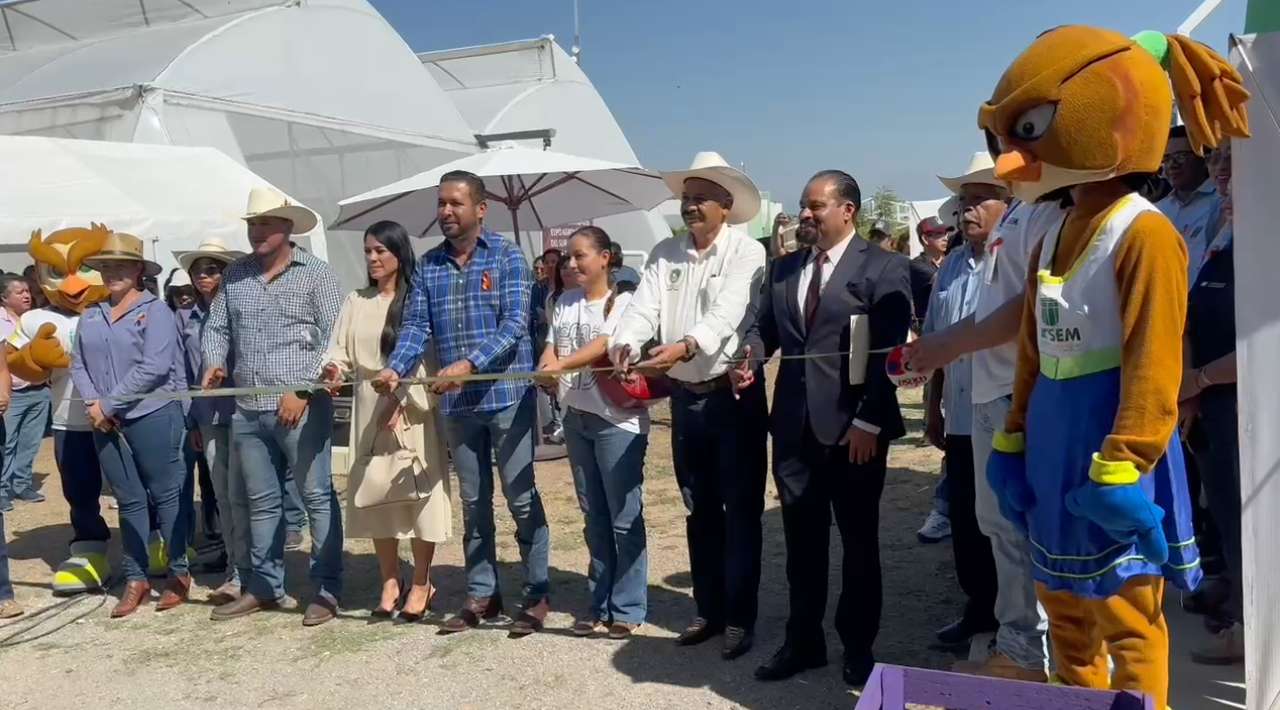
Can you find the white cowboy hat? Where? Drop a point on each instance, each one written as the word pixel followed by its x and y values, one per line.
pixel 267 202
pixel 211 248
pixel 981 170
pixel 949 212
pixel 708 165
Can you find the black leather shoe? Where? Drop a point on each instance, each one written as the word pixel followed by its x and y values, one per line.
pixel 737 641
pixel 697 631
pixel 788 661
pixel 959 633
pixel 858 670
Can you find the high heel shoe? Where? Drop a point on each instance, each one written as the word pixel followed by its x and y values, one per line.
pixel 381 613
pixel 409 617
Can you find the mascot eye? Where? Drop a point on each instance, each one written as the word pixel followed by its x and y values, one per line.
pixel 84 269
pixel 1033 123
pixel 56 272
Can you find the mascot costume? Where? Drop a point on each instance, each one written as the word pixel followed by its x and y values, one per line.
pixel 1089 462
pixel 38 352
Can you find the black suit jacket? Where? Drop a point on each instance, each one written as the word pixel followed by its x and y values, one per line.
pixel 867 280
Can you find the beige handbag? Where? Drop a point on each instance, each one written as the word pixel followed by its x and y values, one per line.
pixel 390 472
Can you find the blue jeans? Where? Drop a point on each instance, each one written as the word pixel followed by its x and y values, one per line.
pixel 1023 624
pixel 142 460
pixel 6 586
pixel 472 439
pixel 81 476
pixel 608 474
pixel 217 452
pixel 264 453
pixel 24 424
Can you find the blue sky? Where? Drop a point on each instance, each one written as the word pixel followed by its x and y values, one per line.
pixel 887 90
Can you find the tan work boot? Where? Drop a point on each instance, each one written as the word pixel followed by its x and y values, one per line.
pixel 999 665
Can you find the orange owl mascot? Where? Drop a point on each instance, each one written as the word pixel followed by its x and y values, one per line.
pixel 1089 462
pixel 39 353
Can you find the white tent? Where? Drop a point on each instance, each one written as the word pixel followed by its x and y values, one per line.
pixel 1257 251
pixel 321 97
pixel 534 85
pixel 171 197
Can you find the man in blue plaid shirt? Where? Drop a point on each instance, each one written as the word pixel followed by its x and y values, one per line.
pixel 470 298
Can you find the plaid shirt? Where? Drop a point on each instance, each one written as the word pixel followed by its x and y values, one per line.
pixel 479 313
pixel 277 330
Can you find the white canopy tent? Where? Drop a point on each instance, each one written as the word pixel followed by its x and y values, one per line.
pixel 320 97
pixel 171 197
pixel 532 85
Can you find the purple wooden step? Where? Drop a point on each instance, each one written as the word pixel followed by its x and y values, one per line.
pixel 892 687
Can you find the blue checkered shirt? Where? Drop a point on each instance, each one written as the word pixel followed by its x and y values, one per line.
pixel 479 313
pixel 277 331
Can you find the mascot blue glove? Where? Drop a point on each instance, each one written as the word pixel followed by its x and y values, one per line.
pixel 1007 475
pixel 1113 500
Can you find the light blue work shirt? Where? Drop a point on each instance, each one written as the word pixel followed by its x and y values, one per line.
pixel 137 354
pixel 1192 218
pixel 955 297
pixel 204 411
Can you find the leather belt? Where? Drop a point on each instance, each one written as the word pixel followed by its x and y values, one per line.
pixel 704 387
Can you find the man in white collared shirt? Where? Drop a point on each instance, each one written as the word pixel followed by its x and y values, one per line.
pixel 696 299
pixel 1194 199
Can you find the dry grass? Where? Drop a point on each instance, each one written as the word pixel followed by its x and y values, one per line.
pixel 180 659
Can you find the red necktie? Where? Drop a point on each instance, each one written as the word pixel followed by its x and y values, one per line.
pixel 815 290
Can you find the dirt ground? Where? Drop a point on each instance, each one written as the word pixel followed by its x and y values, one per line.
pixel 68 653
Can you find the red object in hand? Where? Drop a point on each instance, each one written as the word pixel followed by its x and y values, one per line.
pixel 631 391
pixel 895 366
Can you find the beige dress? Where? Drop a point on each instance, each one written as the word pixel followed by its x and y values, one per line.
pixel 356 351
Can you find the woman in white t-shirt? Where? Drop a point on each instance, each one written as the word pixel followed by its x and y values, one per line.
pixel 606 441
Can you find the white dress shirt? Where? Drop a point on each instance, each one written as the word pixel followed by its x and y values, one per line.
pixel 710 296
pixel 828 267
pixel 1005 266
pixel 1192 220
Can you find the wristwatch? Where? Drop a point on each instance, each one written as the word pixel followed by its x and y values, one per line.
pixel 690 346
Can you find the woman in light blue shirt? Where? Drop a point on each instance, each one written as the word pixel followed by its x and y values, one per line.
pixel 128 345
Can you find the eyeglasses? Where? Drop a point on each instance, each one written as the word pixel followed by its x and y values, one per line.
pixel 1179 158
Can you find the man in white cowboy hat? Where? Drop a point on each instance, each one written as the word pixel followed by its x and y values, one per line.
pixel 696 299
pixel 269 326
pixel 988 333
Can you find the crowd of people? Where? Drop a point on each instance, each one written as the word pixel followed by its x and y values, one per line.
pixel 1050 315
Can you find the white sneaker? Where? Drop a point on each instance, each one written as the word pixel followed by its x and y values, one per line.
pixel 1224 649
pixel 936 528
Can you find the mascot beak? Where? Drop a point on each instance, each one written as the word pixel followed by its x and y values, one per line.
pixel 73 286
pixel 1018 165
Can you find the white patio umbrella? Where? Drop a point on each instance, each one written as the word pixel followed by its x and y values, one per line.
pixel 537 188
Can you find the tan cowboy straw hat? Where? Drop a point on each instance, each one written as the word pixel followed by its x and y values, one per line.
pixel 123 247
pixel 268 202
pixel 709 165
pixel 211 248
pixel 981 170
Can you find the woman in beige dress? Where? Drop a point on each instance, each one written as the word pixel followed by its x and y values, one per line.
pixel 365 335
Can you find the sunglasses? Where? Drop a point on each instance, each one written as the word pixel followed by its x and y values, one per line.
pixel 1179 158
pixel 210 270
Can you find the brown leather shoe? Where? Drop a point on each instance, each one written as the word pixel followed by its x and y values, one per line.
pixel 247 604
pixel 225 594
pixel 321 610
pixel 621 630
pixel 472 613
pixel 136 593
pixel 530 618
pixel 176 592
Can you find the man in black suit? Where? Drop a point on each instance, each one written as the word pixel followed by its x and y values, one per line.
pixel 830 438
